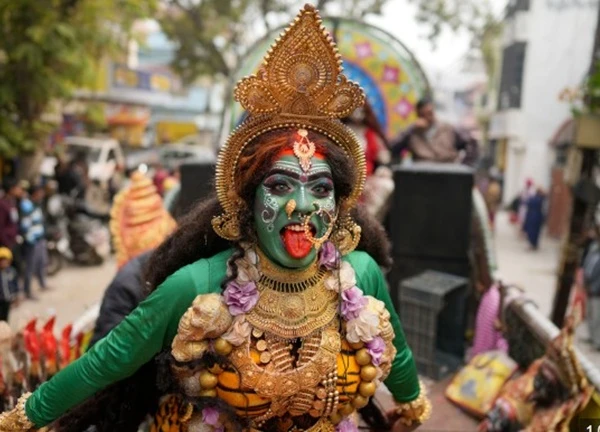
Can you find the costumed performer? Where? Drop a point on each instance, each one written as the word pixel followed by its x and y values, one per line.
pixel 281 321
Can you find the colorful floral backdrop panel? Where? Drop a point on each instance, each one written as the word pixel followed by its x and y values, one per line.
pixel 390 75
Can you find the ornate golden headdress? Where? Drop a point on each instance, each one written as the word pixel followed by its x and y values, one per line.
pixel 299 86
pixel 139 222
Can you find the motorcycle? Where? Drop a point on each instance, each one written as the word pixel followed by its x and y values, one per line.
pixel 89 240
pixel 75 234
pixel 57 248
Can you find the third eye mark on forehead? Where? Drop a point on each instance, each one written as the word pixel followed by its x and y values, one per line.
pixel 292 170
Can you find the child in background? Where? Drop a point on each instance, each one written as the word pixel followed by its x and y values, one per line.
pixel 9 286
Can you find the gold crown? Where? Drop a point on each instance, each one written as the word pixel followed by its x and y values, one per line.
pixel 299 86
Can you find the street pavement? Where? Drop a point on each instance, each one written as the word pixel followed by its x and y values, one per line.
pixel 74 290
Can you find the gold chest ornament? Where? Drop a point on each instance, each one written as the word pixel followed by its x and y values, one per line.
pixel 285 359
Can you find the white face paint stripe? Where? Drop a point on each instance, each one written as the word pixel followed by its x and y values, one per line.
pixel 291 167
pixel 271 203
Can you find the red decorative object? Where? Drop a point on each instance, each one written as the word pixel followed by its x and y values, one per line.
pixel 32 340
pixel 65 346
pixel 49 346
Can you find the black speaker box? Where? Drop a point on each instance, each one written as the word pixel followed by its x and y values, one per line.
pixel 407 266
pixel 197 182
pixel 430 216
pixel 433 318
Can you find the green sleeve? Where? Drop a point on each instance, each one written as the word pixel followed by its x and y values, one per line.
pixel 403 381
pixel 145 332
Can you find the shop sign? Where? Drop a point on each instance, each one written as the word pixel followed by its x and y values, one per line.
pixel 124 77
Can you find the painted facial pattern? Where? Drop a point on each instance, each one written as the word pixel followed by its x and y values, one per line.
pixel 281 237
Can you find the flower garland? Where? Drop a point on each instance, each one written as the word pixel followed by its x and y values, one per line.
pixel 361 314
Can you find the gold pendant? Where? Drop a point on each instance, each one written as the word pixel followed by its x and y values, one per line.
pixel 304 150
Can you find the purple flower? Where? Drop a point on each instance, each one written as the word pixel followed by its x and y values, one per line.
pixel 353 301
pixel 376 348
pixel 329 256
pixel 346 425
pixel 210 416
pixel 240 298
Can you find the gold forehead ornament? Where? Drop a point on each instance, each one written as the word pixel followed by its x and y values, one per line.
pixel 300 88
pixel 304 150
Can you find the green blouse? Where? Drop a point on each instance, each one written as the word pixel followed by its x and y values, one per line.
pixel 151 327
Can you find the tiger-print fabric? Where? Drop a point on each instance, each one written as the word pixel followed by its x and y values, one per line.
pixel 167 418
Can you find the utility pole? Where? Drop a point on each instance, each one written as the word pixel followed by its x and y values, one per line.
pixel 570 255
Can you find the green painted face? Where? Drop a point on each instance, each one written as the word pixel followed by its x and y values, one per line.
pixel 280 237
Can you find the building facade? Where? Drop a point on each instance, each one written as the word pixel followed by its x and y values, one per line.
pixel 547 47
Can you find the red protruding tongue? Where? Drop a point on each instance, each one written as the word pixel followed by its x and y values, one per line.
pixel 296 244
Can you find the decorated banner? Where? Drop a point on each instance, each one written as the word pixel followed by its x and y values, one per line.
pixel 390 75
pixel 124 77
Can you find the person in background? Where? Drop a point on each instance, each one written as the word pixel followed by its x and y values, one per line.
pixel 172 186
pixel 117 181
pixel 9 285
pixel 526 194
pixel 493 198
pixel 429 139
pixel 69 176
pixel 9 218
pixel 591 278
pixel 34 243
pixel 122 295
pixel 534 218
pixel 139 223
pixel 160 175
pixel 379 184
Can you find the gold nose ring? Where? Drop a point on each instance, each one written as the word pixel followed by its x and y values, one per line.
pixel 290 207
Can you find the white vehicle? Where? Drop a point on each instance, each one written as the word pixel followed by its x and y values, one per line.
pixel 102 155
pixel 173 155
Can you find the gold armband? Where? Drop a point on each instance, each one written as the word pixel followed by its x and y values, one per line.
pixel 416 411
pixel 16 420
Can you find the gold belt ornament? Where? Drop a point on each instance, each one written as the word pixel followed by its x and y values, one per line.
pixel 279 378
pixel 323 425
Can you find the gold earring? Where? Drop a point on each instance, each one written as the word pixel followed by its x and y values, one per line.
pixel 346 235
pixel 290 207
pixel 227 226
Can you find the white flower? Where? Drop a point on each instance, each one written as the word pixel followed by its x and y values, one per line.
pixel 385 325
pixel 252 257
pixel 239 332
pixel 247 267
pixel 377 306
pixel 364 328
pixel 246 271
pixel 346 278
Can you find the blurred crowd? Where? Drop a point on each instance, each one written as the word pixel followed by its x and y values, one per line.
pixel 23 253
pixel 59 219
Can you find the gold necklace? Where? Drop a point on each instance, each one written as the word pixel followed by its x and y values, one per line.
pixel 292 304
pixel 288 280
